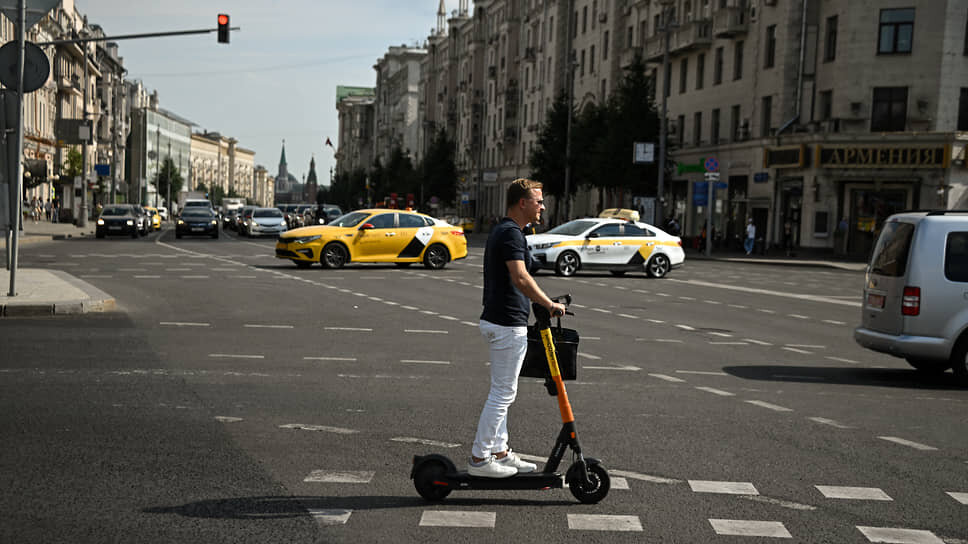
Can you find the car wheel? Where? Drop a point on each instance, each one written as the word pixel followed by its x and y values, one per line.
pixel 436 257
pixel 959 358
pixel 334 256
pixel 929 366
pixel 303 264
pixel 617 272
pixel 658 266
pixel 567 264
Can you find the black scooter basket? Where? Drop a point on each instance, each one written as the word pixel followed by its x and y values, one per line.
pixel 566 351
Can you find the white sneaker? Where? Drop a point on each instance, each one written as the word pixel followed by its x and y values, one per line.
pixel 512 460
pixel 491 468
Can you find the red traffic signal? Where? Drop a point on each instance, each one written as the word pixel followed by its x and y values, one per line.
pixel 223 28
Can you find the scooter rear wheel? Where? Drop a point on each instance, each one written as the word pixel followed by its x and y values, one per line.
pixel 424 479
pixel 597 487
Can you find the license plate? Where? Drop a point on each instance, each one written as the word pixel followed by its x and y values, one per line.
pixel 875 301
pixel 114 228
pixel 197 229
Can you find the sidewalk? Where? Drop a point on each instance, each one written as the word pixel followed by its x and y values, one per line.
pixel 44 292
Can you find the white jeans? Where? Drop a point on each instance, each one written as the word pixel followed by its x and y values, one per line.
pixel 508 346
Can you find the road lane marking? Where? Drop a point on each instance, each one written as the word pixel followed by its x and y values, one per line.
pixel 391 303
pixel 589 356
pixel 424 442
pixel 738 306
pixel 712 302
pixel 685 327
pixel 958 496
pixel 721 334
pixel 330 516
pixel 183 324
pixel 806 346
pixel 448 318
pixel 812 298
pixel 642 477
pixel 601 311
pixel 255 326
pixel 743 527
pixel 424 331
pixel 146 277
pixel 628 316
pixel 765 311
pixel 715 391
pixel 469 324
pixel 409 307
pixel 899 536
pixel 348 329
pixel 769 406
pixel 243 277
pixel 758 342
pixel 728 343
pixel 340 477
pixel 686 298
pixel 618 367
pixel 195 277
pixel 725 488
pixel 95 276
pixel 702 372
pixel 132 270
pixel 667 340
pixel 668 378
pixel 657 321
pixel 318 428
pixel 797 316
pixel 232 356
pixel 908 443
pixel 853 493
pixel 228 419
pixel 795 350
pixel 842 360
pixel 440 518
pixel 422 362
pixel 348 359
pixel 603 522
pixel 832 423
pixel 779 502
pixel 428 312
pixel 834 322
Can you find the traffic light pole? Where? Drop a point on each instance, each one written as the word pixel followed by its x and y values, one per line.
pixel 133 36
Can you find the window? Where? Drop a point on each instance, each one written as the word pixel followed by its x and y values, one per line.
pixel 681 128
pixel 769 59
pixel 889 112
pixel 609 230
pixel 896 31
pixel 591 60
pixel 738 61
pixel 581 66
pixel 734 123
pixel 604 94
pixel 697 129
pixel 700 69
pixel 574 26
pixel 629 35
pixel 966 35
pixel 633 230
pixel 584 19
pixel 551 32
pixel 890 254
pixel 830 40
pixel 956 257
pixel 605 46
pixel 714 127
pixel 766 117
pixel 408 221
pixel 657 25
pixel 382 221
pixel 963 109
pixel 683 74
pixel 718 67
pixel 826 105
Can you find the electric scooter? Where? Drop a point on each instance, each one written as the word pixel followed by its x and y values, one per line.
pixel 435 476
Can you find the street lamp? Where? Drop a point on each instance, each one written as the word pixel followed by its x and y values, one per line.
pixel 668 24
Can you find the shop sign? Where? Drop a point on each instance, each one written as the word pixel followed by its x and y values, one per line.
pixel 861 156
pixel 699 167
pixel 790 156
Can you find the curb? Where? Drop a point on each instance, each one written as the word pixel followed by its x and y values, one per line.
pixel 95 301
pixel 850 267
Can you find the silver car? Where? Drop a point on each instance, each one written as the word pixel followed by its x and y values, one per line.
pixel 916 292
pixel 266 221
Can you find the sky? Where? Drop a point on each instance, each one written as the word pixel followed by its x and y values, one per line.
pixel 277 78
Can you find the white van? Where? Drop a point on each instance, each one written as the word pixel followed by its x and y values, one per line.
pixel 916 291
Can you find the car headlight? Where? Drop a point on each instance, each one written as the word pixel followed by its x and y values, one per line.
pixel 130 222
pixel 214 222
pixel 282 223
pixel 304 239
pixel 180 222
pixel 100 221
pixel 545 245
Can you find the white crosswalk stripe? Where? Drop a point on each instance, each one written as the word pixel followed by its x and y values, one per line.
pixel 737 527
pixel 600 522
pixel 438 518
pixel 853 493
pixel 899 536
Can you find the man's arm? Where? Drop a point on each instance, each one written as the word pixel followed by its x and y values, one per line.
pixel 526 284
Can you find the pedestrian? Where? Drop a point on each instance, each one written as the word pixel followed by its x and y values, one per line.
pixel 672 226
pixel 508 287
pixel 750 236
pixel 788 238
pixel 54 211
pixel 47 210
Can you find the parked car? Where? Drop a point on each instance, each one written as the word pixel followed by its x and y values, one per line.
pixel 375 236
pixel 265 221
pixel 915 302
pixel 117 219
pixel 228 218
pixel 615 245
pixel 197 221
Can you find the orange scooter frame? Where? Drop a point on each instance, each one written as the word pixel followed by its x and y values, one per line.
pixel 435 476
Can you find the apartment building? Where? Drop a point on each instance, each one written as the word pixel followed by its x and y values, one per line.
pixel 396 103
pixel 355 108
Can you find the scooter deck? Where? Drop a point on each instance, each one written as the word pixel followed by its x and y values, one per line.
pixel 528 480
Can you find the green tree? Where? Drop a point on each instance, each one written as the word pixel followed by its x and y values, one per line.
pixel 168 176
pixel 547 158
pixel 439 170
pixel 74 164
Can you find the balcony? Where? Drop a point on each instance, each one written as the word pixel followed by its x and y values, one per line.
pixel 729 22
pixel 689 36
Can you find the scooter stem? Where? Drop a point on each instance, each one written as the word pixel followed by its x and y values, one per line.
pixel 563 405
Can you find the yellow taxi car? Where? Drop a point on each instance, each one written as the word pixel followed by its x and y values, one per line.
pixel 375 236
pixel 155 217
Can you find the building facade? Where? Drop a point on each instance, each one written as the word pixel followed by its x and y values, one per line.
pixel 355 109
pixel 156 136
pixel 396 103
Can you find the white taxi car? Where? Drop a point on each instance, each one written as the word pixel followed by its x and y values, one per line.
pixel 615 245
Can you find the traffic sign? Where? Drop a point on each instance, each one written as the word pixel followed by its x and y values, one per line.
pixel 36 10
pixel 711 164
pixel 36 66
pixel 711 176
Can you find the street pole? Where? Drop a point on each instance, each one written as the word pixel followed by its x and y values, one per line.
pixel 13 236
pixel 479 223
pixel 660 189
pixel 710 206
pixel 157 159
pixel 82 220
pixel 168 176
pixel 570 83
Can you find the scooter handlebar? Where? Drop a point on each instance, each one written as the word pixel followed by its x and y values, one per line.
pixel 543 316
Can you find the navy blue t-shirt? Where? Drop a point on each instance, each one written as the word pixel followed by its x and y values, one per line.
pixel 503 303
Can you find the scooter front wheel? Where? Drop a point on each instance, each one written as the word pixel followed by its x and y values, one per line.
pixel 595 489
pixel 425 477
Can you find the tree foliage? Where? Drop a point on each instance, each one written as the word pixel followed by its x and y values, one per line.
pixel 168 175
pixel 439 170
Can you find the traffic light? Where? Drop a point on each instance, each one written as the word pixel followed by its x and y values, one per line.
pixel 223 28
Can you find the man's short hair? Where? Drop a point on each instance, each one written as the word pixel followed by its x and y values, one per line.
pixel 521 188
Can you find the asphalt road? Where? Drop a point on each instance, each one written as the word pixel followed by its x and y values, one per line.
pixel 235 398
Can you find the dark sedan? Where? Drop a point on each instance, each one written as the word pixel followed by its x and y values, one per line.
pixel 117 219
pixel 197 221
